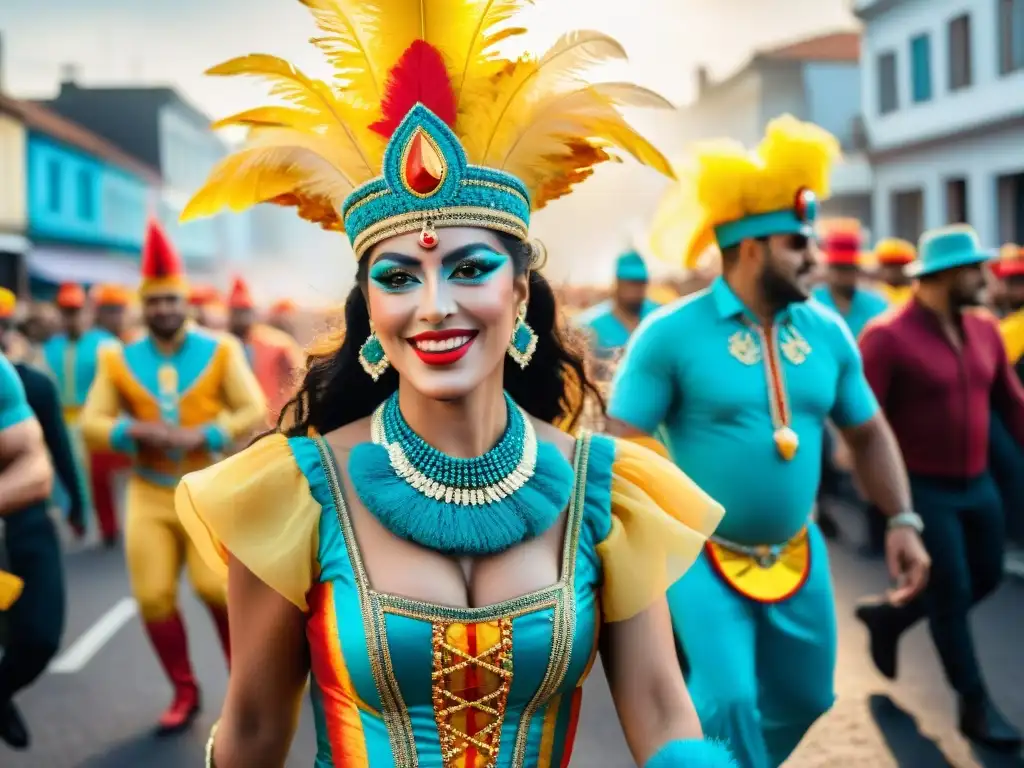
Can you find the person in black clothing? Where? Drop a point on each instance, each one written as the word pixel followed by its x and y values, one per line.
pixel 36 620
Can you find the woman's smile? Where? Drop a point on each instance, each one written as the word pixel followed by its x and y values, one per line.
pixel 442 347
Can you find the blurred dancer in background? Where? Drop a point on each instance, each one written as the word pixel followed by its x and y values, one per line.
pixel 893 256
pixel 174 401
pixel 274 356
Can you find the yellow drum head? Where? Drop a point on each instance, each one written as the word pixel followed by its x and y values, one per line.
pixel 768 578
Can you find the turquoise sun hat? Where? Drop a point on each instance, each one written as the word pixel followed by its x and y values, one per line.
pixel 947 248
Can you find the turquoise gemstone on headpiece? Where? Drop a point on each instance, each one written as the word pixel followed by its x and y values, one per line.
pixel 411 195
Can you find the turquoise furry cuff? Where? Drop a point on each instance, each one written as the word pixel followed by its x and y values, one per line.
pixel 692 753
pixel 428 183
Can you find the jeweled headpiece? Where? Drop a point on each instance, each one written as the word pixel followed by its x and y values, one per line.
pixel 426 125
pixel 729 194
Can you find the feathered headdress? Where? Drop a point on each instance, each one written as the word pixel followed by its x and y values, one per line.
pixel 727 194
pixel 425 125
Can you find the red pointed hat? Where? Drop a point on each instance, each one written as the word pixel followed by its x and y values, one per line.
pixel 70 296
pixel 162 268
pixel 842 248
pixel 240 297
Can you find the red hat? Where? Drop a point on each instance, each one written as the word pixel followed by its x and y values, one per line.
pixel 203 294
pixel 283 307
pixel 70 296
pixel 842 248
pixel 1010 262
pixel 239 297
pixel 894 251
pixel 162 268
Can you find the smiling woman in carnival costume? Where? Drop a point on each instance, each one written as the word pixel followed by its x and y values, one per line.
pixel 417 534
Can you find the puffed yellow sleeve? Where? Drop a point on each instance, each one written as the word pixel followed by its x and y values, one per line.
pixel 257 506
pixel 660 520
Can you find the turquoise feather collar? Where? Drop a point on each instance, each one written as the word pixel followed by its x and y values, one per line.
pixel 460 507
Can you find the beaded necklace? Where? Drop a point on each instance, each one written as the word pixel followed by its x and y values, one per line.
pixel 478 506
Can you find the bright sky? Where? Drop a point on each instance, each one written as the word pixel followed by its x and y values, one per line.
pixel 173 41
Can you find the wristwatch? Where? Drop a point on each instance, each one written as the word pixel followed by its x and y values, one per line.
pixel 906 519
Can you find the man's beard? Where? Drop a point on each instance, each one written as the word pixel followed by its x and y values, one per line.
pixel 164 333
pixel 780 291
pixel 631 307
pixel 963 300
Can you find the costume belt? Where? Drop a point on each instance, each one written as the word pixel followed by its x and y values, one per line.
pixel 763 573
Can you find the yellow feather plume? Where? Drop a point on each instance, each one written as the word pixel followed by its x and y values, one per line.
pixel 538 119
pixel 725 182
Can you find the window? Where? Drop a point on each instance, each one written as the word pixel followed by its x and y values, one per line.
pixel 887 97
pixel 1011 36
pixel 86 195
pixel 960 52
pixel 1010 197
pixel 921 69
pixel 907 210
pixel 956 201
pixel 53 185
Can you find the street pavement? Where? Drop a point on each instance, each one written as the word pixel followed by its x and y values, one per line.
pixel 96 707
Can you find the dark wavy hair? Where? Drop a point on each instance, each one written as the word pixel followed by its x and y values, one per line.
pixel 335 390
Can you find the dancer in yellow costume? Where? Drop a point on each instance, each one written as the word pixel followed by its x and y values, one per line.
pixel 443 558
pixel 175 400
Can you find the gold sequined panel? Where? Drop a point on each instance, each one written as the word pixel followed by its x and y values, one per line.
pixel 471 679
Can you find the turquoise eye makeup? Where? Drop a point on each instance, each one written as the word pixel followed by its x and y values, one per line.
pixel 391 276
pixel 478 267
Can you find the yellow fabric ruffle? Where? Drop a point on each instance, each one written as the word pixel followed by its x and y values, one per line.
pixel 257 506
pixel 660 522
pixel 10 589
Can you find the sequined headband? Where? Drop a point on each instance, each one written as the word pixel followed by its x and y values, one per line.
pixel 427 183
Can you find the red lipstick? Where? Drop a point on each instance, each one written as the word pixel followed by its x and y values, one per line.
pixel 436 347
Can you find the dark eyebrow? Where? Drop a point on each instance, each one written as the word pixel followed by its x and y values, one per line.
pixel 457 255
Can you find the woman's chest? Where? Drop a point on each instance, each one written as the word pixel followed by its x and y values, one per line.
pixel 429 677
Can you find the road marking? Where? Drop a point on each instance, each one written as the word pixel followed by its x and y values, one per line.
pixel 99 634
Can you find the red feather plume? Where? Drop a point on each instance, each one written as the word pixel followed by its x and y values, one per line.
pixel 420 75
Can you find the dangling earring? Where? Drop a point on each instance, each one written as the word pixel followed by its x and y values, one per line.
pixel 372 356
pixel 524 341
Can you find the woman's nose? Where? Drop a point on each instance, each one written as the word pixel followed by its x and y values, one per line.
pixel 438 303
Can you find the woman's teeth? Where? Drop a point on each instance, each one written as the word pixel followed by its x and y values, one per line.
pixel 442 345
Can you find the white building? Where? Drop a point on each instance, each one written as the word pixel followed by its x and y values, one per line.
pixel 943 96
pixel 817 79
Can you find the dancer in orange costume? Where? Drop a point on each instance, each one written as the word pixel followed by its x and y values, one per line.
pixel 273 355
pixel 281 315
pixel 174 400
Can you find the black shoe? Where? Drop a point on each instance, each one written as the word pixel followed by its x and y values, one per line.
pixel 983 724
pixel 12 727
pixel 884 634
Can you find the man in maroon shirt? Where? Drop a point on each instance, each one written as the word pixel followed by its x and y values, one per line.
pixel 938 367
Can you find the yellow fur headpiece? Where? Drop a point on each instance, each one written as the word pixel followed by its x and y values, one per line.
pixel 425 124
pixel 727 193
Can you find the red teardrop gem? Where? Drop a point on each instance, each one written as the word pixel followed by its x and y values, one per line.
pixel 424 168
pixel 428 238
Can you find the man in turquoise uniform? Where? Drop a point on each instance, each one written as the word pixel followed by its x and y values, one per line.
pixel 743 376
pixel 610 323
pixel 857 306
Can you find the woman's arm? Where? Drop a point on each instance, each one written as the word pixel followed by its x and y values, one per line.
pixel 647 684
pixel 269 667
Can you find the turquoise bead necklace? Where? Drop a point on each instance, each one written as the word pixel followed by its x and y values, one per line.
pixel 477 506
